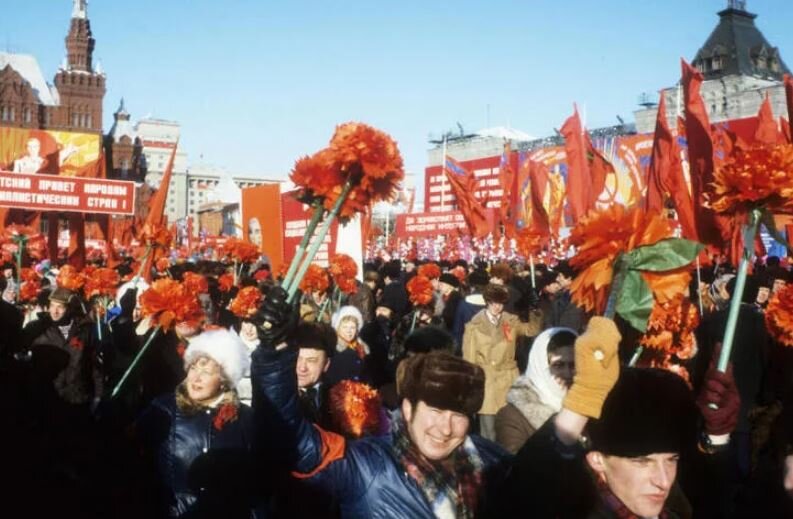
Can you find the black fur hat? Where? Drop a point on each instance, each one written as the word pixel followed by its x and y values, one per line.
pixel 442 380
pixel 315 336
pixel 429 338
pixel 648 411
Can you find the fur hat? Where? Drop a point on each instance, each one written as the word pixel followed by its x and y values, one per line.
pixel 346 311
pixel 502 271
pixel 478 278
pixel 61 295
pixel 449 279
pixel 648 411
pixel 442 380
pixel 429 338
pixel 495 294
pixel 315 336
pixel 225 348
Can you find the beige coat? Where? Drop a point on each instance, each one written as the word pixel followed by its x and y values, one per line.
pixel 493 348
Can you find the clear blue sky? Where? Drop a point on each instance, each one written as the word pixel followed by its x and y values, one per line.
pixel 255 84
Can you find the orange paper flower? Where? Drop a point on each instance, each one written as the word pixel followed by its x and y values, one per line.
pixel 70 279
pixel 429 270
pixel 355 408
pixel 754 177
pixel 530 242
pixel 343 270
pixel 315 280
pixel 168 303
pixel 671 328
pixel 195 283
pixel 225 282
pixel 101 282
pixel 420 290
pixel 240 250
pixel 246 303
pixel 162 264
pixel 156 236
pixel 31 285
pixel 603 235
pixel 779 316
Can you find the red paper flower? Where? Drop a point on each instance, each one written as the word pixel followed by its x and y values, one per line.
pixel 226 413
pixel 225 282
pixel 70 279
pixel 156 236
pixel 759 176
pixel 31 285
pixel 671 328
pixel 162 264
pixel 507 329
pixel 101 282
pixel 246 303
pixel 779 316
pixel 195 283
pixel 76 343
pixel 315 280
pixel 343 270
pixel 531 243
pixel 355 408
pixel 420 290
pixel 167 302
pixel 261 275
pixel 429 270
pixel 240 251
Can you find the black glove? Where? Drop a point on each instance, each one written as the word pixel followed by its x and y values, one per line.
pixel 533 299
pixel 277 318
pixel 128 302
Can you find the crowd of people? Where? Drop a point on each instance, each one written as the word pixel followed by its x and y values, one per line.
pixel 497 396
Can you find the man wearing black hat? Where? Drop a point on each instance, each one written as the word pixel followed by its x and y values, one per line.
pixel 614 449
pixel 428 466
pixel 449 287
pixel 316 343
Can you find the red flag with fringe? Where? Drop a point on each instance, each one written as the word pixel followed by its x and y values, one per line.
pixel 665 176
pixel 463 184
pixel 578 176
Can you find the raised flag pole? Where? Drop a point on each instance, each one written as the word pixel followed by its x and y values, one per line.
pixel 443 176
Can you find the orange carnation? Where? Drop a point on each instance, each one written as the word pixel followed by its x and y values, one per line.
pixel 101 282
pixel 420 290
pixel 315 280
pixel 31 285
pixel 246 303
pixel 779 316
pixel 429 270
pixel 754 177
pixel 240 250
pixel 343 270
pixel 225 282
pixel 671 328
pixel 168 303
pixel 162 264
pixel 155 236
pixel 600 237
pixel 70 279
pixel 195 283
pixel 355 408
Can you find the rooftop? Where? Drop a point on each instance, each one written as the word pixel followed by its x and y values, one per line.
pixel 27 67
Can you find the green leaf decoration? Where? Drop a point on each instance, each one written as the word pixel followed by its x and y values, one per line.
pixel 635 301
pixel 668 254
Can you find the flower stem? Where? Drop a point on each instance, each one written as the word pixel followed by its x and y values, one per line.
pixel 301 249
pixel 531 268
pixel 143 262
pixel 637 353
pixel 323 231
pixel 134 363
pixel 620 271
pixel 750 231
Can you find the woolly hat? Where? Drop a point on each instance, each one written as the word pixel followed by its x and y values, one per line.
pixel 495 294
pixel 449 279
pixel 61 295
pixel 346 311
pixel 225 348
pixel 648 411
pixel 442 380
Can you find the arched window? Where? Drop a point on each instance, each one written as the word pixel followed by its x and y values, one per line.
pixel 27 116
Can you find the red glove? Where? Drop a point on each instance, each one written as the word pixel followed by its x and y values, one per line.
pixel 719 389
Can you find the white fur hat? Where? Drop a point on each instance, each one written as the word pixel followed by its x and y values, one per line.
pixel 347 311
pixel 225 348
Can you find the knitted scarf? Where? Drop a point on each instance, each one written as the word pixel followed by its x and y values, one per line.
pixel 452 486
pixel 616 506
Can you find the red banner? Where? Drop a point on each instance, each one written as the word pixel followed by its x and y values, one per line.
pixel 433 224
pixel 295 217
pixel 62 193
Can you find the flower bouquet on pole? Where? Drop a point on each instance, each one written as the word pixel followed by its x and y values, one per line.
pixel 23 239
pixel 315 285
pixel 627 259
pixel 530 243
pixel 101 286
pixel 752 185
pixel 246 302
pixel 361 166
pixel 165 304
pixel 421 294
pixel 157 239
pixel 670 335
pixel 241 253
pixel 343 270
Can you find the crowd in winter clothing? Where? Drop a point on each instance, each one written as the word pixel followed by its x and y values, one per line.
pixel 500 397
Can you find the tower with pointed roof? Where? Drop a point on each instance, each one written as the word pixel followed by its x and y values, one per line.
pixel 740 67
pixel 124 148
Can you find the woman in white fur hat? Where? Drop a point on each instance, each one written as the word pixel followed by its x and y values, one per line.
pixel 200 431
pixel 352 358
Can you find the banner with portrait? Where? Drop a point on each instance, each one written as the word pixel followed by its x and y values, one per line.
pixel 50 152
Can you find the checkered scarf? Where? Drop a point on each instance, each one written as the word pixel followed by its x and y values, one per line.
pixel 451 487
pixel 616 506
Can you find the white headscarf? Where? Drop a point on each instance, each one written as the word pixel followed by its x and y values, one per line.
pixel 538 372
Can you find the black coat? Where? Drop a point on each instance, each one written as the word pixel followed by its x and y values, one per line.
pixel 11 323
pixel 202 471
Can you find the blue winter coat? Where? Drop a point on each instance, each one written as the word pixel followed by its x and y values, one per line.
pixel 368 481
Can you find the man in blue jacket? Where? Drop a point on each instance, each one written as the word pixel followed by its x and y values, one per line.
pixel 427 466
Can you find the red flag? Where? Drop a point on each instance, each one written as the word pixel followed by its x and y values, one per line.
pixel 599 168
pixel 578 176
pixel 463 185
pixel 508 180
pixel 767 130
pixel 789 96
pixel 700 154
pixel 665 176
pixel 156 216
pixel 538 178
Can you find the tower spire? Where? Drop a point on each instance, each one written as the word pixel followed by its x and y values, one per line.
pixel 80 9
pixel 739 5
